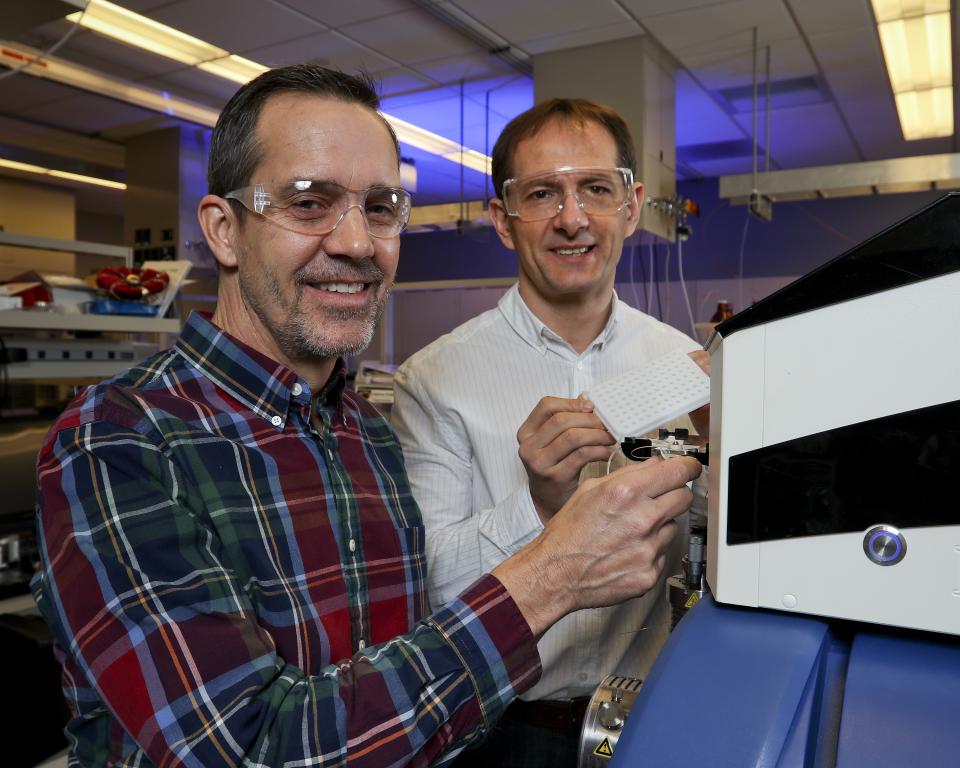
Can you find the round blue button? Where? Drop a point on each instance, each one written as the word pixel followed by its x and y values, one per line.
pixel 884 545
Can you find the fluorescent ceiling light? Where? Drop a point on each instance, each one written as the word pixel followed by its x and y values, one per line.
pixel 915 37
pixel 435 144
pixel 41 171
pixel 926 114
pixel 142 32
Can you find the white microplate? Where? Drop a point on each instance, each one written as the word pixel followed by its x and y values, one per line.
pixel 650 396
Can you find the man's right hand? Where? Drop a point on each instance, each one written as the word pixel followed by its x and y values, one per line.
pixel 558 439
pixel 606 545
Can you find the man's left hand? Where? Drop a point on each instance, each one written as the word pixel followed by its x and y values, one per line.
pixel 558 439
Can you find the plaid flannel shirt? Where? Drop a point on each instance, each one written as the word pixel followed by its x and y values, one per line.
pixel 229 585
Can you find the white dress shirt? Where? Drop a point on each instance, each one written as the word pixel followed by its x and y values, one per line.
pixel 458 405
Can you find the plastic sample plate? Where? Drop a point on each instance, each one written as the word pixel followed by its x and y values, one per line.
pixel 650 396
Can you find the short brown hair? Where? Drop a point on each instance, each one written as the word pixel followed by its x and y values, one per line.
pixel 580 111
pixel 234 148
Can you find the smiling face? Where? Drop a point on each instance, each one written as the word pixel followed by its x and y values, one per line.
pixel 307 297
pixel 571 257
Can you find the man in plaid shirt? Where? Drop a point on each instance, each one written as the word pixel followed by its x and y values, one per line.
pixel 232 561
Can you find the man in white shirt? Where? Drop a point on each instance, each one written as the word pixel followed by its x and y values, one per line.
pixel 514 374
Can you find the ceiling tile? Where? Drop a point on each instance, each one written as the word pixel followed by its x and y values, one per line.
pixel 398 80
pixel 235 25
pixel 337 14
pixel 805 136
pixel 875 125
pixel 590 36
pixel 503 92
pixel 410 37
pixel 789 59
pixel 329 48
pixel 859 84
pixel 700 119
pixel 721 29
pixel 852 52
pixel 464 67
pixel 521 22
pixel 651 8
pixel 817 17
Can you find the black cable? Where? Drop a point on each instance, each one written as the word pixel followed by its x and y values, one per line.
pixel 50 50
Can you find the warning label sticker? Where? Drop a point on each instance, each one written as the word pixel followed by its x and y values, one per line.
pixel 603 749
pixel 692 600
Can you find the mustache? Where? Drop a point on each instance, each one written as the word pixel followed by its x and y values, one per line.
pixel 356 272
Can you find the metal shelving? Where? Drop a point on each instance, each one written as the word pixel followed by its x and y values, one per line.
pixel 36 320
pixel 68 246
pixel 25 319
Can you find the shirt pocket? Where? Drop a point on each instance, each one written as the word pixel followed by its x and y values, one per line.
pixel 396 574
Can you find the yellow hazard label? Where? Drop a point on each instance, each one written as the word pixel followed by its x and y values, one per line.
pixel 603 749
pixel 692 600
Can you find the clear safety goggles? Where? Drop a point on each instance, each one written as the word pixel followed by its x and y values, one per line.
pixel 598 192
pixel 317 207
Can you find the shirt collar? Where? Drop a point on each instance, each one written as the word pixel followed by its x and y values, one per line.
pixel 532 329
pixel 261 384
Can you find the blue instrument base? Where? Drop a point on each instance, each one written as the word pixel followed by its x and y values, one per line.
pixel 746 687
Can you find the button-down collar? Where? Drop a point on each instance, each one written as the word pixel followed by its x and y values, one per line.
pixel 263 385
pixel 533 330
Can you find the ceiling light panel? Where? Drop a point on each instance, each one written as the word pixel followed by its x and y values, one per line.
pixel 926 114
pixel 888 10
pixel 915 37
pixel 13 165
pixel 143 32
pixel 917 52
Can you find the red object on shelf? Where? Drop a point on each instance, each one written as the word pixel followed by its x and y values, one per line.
pixel 131 283
pixel 39 294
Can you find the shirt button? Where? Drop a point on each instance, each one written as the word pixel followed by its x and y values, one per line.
pixel 582 676
pixel 580 366
pixel 297 389
pixel 353 545
pixel 276 421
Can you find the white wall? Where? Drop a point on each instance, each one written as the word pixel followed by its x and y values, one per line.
pixel 417 317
